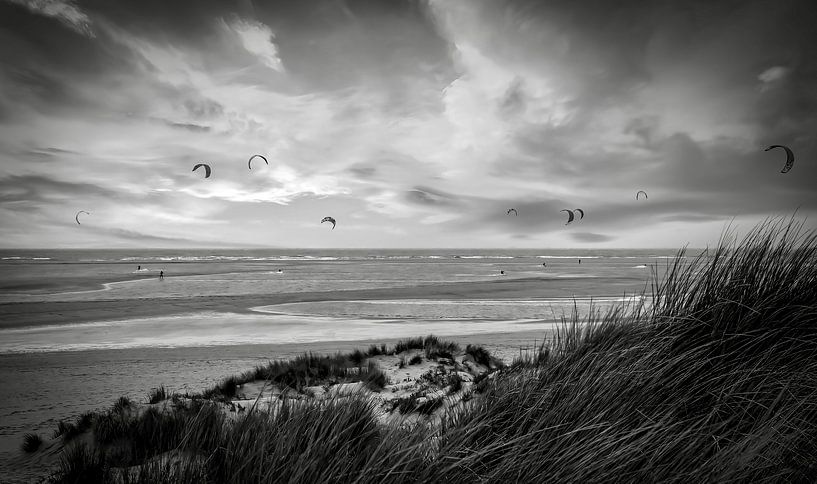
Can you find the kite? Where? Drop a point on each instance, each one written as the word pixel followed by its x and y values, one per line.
pixel 329 219
pixel 206 169
pixel 789 157
pixel 514 211
pixel 76 217
pixel 249 162
pixel 639 193
pixel 570 216
pixel 581 213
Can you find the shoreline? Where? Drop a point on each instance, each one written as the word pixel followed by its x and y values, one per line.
pixel 32 314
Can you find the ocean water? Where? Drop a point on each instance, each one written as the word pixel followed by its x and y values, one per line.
pixel 60 369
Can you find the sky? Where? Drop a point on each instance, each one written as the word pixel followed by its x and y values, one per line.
pixel 415 124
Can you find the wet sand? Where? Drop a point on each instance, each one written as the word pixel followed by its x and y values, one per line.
pixel 21 314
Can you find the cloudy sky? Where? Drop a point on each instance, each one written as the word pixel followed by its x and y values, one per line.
pixel 413 123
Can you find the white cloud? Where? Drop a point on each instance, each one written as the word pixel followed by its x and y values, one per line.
pixel 66 11
pixel 257 39
pixel 772 76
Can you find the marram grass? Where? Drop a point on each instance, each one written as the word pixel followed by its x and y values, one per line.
pixel 715 380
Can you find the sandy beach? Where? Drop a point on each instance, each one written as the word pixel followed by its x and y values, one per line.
pixel 78 335
pixel 19 314
pixel 44 388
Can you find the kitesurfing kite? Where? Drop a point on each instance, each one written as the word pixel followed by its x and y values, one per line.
pixel 570 216
pixel 789 157
pixel 581 213
pixel 206 169
pixel 639 193
pixel 76 217
pixel 514 211
pixel 329 219
pixel 249 162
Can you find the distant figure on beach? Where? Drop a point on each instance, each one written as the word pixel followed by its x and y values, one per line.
pixel 161 275
pixel 544 264
pixel 501 273
pixel 580 261
pixel 138 268
pixel 280 271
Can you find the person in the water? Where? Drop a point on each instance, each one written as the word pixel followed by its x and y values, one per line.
pixel 161 275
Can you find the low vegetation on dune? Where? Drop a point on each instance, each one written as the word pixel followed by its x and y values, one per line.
pixel 714 380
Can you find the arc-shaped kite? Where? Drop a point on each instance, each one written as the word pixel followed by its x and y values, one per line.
pixel 514 211
pixel 639 193
pixel 789 157
pixel 249 162
pixel 76 217
pixel 329 219
pixel 581 213
pixel 570 216
pixel 206 169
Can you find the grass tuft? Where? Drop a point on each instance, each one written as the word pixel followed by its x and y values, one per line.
pixel 157 395
pixel 31 443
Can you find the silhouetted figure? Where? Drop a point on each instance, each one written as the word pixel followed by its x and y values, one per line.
pixel 580 261
pixel 138 268
pixel 501 273
pixel 161 275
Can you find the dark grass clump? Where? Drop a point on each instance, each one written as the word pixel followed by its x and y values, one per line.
pixel 31 443
pixel 122 404
pixel 715 382
pixel 80 463
pixel 431 345
pixel 454 382
pixel 479 354
pixel 409 344
pixel 157 395
pixel 374 378
pixel 405 405
pixel 375 350
pixel 300 372
pixel 70 430
pixel 415 360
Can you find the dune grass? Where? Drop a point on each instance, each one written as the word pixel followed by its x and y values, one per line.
pixel 715 381
pixel 31 443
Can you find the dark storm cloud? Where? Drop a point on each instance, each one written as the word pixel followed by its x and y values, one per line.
pixel 621 50
pixel 393 43
pixel 442 114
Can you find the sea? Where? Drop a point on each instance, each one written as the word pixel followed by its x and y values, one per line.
pixel 83 327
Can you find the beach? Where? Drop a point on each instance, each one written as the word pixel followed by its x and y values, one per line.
pixel 78 333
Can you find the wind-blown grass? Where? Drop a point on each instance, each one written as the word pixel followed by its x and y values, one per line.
pixel 31 442
pixel 715 381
